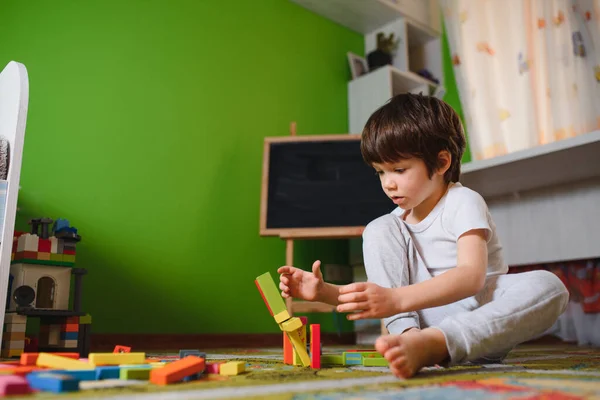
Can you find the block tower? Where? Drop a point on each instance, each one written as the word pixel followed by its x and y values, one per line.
pixel 41 273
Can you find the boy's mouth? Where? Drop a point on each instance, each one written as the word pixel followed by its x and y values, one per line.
pixel 397 199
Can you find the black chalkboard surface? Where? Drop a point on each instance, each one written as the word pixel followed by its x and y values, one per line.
pixel 318 186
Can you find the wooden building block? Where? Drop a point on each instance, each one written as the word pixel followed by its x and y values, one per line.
pixel 53 382
pixel 122 349
pixel 177 370
pixel 288 350
pixel 128 372
pixel 302 333
pixel 13 385
pixel 60 362
pixel 232 368
pixel 315 346
pixel 116 358
pixel 270 294
pixel 299 347
pixel 291 324
pixel 375 362
pixel 332 359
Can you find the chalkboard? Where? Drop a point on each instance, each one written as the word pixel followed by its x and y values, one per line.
pixel 318 183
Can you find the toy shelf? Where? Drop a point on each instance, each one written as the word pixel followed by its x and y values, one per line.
pixel 366 16
pixel 568 160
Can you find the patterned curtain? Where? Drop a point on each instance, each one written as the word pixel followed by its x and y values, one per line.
pixel 528 71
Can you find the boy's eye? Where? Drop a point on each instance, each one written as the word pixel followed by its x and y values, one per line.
pixel 378 172
pixel 399 170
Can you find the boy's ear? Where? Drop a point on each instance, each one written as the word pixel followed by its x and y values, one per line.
pixel 444 162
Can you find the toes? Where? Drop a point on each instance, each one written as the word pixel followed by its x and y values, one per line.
pixel 384 343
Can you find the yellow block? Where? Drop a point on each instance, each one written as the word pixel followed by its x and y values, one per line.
pixel 282 316
pixel 232 368
pixel 59 362
pixel 299 347
pixel 302 333
pixel 291 324
pixel 117 358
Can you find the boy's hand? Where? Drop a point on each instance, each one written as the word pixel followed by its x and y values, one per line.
pixel 301 284
pixel 367 300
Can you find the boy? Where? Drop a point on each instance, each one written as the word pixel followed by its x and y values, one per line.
pixel 435 268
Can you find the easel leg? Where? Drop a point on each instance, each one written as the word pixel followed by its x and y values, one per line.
pixel 289 260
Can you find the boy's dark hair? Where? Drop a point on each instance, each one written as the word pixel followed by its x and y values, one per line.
pixel 413 125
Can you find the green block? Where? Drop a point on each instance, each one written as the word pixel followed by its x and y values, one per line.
pixel 68 258
pixel 85 320
pixel 135 373
pixel 56 257
pixel 332 359
pixel 370 354
pixel 271 293
pixel 375 362
pixel 43 262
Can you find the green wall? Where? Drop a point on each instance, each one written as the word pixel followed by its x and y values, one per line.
pixel 145 129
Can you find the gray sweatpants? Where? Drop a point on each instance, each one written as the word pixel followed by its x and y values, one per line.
pixel 510 309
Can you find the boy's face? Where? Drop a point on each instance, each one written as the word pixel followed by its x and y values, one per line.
pixel 407 182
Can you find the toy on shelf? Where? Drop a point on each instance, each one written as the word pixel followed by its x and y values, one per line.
pixel 41 271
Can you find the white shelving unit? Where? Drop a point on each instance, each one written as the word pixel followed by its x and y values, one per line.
pixel 417 26
pixel 565 161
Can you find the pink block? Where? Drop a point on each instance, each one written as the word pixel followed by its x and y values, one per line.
pixel 212 368
pixel 13 384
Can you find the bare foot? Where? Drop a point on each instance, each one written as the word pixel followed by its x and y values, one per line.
pixel 412 350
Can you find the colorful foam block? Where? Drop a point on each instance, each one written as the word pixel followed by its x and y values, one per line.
pixel 111 372
pixel 315 346
pixel 129 372
pixel 13 385
pixel 375 362
pixel 213 368
pixel 122 349
pixel 52 382
pixel 232 368
pixel 177 370
pixel 332 359
pixel 270 294
pixel 60 362
pixel 116 358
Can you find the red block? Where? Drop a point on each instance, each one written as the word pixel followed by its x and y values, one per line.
pixel 70 252
pixel 44 245
pixel 213 368
pixel 288 350
pixel 315 346
pixel 13 385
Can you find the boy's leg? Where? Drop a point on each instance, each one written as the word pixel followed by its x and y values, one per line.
pixel 391 261
pixel 514 308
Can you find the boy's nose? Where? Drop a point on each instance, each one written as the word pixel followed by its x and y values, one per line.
pixel 389 183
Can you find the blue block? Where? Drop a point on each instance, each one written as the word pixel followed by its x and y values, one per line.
pixel 194 377
pixel 69 335
pixel 53 382
pixel 197 353
pixel 82 375
pixel 110 372
pixel 353 358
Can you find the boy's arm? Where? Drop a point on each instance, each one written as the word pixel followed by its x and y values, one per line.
pixel 369 300
pixel 467 279
pixel 329 294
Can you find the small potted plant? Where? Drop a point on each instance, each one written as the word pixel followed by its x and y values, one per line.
pixel 384 53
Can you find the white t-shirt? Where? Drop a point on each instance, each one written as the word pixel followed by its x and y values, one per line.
pixel 458 211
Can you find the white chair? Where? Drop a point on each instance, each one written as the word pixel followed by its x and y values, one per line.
pixel 14 99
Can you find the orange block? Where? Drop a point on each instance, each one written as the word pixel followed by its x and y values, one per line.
pixel 70 328
pixel 23 370
pixel 122 349
pixel 177 370
pixel 31 358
